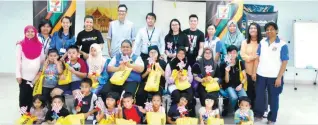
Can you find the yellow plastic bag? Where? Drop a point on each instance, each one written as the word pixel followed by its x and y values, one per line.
pixel 242 77
pixel 77 119
pixel 67 76
pixel 26 120
pixel 215 121
pixel 121 121
pixel 106 121
pixel 120 77
pixel 247 123
pixel 38 84
pixel 212 85
pixel 156 118
pixel 153 80
pixel 181 85
pixel 187 121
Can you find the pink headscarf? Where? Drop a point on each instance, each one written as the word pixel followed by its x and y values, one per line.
pixel 31 48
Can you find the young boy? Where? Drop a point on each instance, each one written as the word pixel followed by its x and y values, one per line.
pixel 78 68
pixel 174 112
pixel 131 111
pixel 244 113
pixel 52 116
pixel 87 102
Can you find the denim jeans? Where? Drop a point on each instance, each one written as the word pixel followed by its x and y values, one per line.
pixel 233 95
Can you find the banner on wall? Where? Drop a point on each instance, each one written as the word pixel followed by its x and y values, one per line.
pixel 54 10
pixel 103 12
pixel 229 10
pixel 261 19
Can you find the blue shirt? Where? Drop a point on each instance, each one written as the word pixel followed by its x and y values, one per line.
pixel 51 76
pixel 61 43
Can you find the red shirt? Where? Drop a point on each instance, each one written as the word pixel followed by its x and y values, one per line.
pixel 132 114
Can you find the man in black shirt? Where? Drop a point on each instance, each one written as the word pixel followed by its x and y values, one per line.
pixel 196 40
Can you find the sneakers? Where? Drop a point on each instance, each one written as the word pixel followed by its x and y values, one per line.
pixel 270 123
pixel 265 115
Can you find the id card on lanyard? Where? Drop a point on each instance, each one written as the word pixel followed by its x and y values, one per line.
pixel 150 37
pixel 45 42
pixel 63 50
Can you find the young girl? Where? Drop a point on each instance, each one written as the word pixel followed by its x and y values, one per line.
pixel 51 68
pixel 155 105
pixel 244 113
pixel 58 110
pixel 111 104
pixel 38 109
pixel 210 109
pixel 175 110
pixel 96 64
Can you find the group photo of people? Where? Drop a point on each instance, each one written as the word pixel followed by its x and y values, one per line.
pixel 187 76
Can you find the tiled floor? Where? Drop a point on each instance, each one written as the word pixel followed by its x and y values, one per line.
pixel 296 107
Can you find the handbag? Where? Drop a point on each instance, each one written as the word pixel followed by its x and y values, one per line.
pixel 242 77
pixel 156 118
pixel 215 121
pixel 187 121
pixel 67 76
pixel 94 80
pixel 120 77
pixel 120 121
pixel 181 84
pixel 39 83
pixel 212 85
pixel 26 120
pixel 153 81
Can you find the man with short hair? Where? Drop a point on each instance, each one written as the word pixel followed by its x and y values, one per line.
pixel 120 30
pixel 149 36
pixel 196 40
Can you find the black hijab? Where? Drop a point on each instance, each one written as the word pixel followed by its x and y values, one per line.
pixel 174 62
pixel 204 62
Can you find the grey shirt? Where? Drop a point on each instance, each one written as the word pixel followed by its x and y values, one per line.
pixel 118 32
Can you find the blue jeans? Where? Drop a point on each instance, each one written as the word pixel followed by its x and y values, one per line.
pixel 263 83
pixel 233 95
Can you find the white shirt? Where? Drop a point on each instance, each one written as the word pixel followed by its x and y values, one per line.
pixel 118 32
pixel 271 57
pixel 142 41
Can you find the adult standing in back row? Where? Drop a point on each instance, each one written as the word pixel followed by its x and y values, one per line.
pixel 120 30
pixel 149 36
pixel 88 36
pixel 196 40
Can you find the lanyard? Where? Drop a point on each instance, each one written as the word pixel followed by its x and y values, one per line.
pixel 149 38
pixel 46 41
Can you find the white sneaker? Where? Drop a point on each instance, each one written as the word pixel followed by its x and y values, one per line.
pixel 265 115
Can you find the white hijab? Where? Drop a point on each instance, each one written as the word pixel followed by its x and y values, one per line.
pixel 96 64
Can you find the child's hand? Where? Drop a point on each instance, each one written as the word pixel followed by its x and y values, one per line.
pixel 183 78
pixel 71 69
pixel 228 68
pixel 239 87
pixel 62 77
pixel 78 109
pixel 99 116
pixel 56 62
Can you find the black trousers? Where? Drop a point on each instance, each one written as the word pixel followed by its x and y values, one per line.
pixel 202 94
pixel 142 95
pixel 46 94
pixel 25 95
pixel 251 89
pixel 176 94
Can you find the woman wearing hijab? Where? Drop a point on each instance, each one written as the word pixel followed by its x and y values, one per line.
pixel 155 61
pixel 206 66
pixel 28 55
pixel 97 67
pixel 180 63
pixel 233 35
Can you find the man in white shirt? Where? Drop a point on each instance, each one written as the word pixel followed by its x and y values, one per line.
pixel 149 36
pixel 119 30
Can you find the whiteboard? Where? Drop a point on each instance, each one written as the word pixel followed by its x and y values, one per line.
pixel 165 12
pixel 305 44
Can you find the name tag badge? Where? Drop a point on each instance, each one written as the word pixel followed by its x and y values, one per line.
pixel 62 50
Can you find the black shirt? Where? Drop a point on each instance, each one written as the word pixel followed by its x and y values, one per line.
pixel 195 37
pixel 197 70
pixel 180 40
pixel 234 74
pixel 86 39
pixel 49 115
pixel 174 113
pixel 87 101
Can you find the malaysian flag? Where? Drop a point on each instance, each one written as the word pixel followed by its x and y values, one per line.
pixel 100 104
pixel 23 110
pixel 78 95
pixel 56 107
pixel 126 58
pixel 181 64
pixel 148 106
